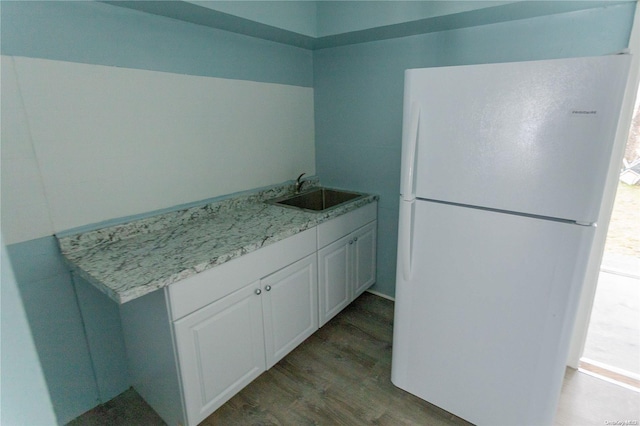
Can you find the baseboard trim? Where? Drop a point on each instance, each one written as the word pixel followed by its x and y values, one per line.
pixel 384 296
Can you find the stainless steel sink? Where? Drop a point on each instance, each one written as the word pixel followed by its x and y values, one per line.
pixel 317 200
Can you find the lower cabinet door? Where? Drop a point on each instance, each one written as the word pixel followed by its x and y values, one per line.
pixel 334 279
pixel 220 350
pixel 364 258
pixel 290 305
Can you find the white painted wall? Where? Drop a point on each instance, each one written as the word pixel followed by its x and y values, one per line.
pixel 24 209
pixel 87 143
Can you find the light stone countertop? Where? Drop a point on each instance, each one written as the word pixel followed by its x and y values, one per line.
pixel 130 260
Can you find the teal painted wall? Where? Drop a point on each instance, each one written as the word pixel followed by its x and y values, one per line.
pixel 96 33
pixel 335 17
pixel 358 96
pixel 25 397
pixel 56 324
pixel 76 329
pixel 296 16
pixel 358 106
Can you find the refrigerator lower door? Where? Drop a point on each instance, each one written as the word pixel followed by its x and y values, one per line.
pixel 484 316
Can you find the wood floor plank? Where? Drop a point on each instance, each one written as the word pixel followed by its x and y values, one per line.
pixel 341 376
pixel 338 376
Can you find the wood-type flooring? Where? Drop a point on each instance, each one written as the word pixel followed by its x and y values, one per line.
pixel 341 376
pixel 338 376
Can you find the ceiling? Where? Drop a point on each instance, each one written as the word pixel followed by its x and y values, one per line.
pixel 323 24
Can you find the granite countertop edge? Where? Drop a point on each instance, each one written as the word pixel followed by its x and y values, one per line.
pixel 126 261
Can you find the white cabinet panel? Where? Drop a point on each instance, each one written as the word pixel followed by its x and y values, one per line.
pixel 337 228
pixel 347 268
pixel 290 304
pixel 223 346
pixel 193 293
pixel 234 321
pixel 221 350
pixel 364 262
pixel 334 279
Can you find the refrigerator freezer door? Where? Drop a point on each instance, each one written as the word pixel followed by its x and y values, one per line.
pixel 482 325
pixel 532 137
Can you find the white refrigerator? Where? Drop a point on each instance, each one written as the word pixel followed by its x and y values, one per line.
pixel 503 170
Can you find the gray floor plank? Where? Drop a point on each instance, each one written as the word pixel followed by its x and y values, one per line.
pixel 341 376
pixel 338 376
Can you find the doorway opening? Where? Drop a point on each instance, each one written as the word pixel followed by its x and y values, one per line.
pixel 612 348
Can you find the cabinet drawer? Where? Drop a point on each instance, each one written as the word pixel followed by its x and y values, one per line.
pixel 334 229
pixel 197 291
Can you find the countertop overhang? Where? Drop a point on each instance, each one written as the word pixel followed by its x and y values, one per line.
pixel 130 260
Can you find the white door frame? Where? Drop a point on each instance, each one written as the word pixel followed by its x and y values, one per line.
pixel 595 259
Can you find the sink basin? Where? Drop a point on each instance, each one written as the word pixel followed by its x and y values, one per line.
pixel 317 199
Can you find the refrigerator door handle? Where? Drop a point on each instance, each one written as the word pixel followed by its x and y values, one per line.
pixel 409 145
pixel 406 230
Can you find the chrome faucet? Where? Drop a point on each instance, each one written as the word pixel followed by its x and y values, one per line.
pixel 299 183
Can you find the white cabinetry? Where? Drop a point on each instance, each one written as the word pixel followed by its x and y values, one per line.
pixel 221 349
pixel 196 344
pixel 333 279
pixel 364 258
pixel 346 265
pixel 224 345
pixel 290 307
